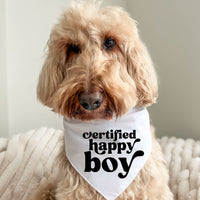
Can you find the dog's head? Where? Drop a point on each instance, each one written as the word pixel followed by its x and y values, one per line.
pixel 96 67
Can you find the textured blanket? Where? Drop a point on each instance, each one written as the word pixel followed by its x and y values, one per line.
pixel 27 160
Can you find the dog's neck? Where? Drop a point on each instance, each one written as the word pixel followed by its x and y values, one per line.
pixel 109 154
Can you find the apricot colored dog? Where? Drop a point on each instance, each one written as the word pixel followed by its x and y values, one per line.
pixel 98 68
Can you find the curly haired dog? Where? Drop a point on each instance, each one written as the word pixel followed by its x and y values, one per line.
pixel 97 68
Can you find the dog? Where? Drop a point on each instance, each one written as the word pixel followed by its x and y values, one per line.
pixel 97 68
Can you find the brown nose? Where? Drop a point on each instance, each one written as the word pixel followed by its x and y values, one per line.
pixel 91 101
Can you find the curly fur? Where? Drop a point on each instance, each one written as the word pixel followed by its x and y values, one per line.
pixel 124 74
pixel 126 71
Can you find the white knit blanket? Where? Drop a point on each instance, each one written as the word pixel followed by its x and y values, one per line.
pixel 27 160
pixel 183 161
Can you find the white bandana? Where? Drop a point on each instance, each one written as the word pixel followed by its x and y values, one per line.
pixel 109 154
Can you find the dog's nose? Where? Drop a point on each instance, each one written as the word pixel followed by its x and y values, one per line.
pixel 91 101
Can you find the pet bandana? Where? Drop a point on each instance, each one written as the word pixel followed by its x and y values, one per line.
pixel 109 154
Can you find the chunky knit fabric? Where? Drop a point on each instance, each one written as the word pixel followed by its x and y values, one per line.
pixel 27 160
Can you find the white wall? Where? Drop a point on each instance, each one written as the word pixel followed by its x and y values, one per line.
pixel 28 27
pixel 3 78
pixel 171 30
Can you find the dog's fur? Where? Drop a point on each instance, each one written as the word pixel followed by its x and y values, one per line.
pixel 124 74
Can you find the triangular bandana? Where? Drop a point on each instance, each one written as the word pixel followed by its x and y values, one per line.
pixel 109 154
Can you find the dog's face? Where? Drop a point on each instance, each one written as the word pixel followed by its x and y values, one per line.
pixel 97 66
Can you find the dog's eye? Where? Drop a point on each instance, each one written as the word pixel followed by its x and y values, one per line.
pixel 74 48
pixel 109 43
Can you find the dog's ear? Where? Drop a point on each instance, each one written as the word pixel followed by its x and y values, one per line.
pixel 141 69
pixel 50 77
